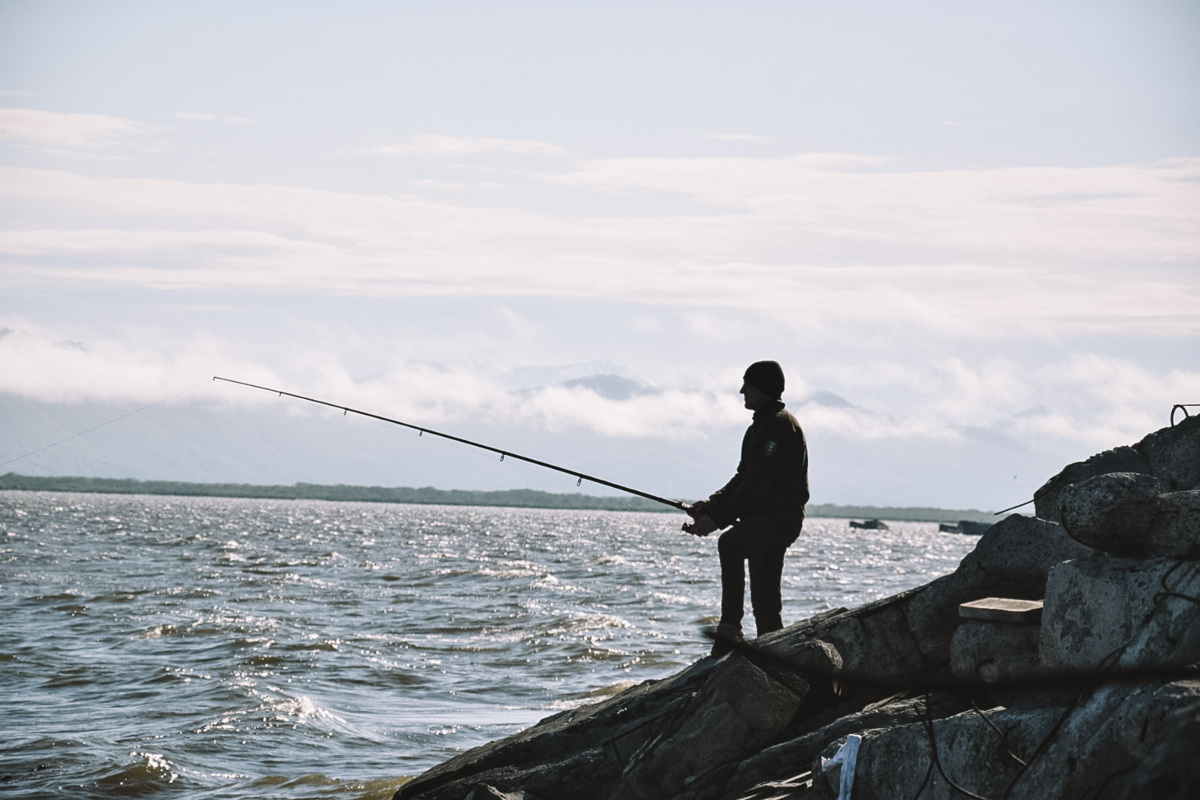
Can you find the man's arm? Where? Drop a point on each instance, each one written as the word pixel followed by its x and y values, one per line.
pixel 758 473
pixel 702 511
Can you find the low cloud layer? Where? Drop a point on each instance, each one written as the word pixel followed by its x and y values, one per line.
pixel 1095 400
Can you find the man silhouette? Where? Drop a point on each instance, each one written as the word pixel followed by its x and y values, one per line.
pixel 764 504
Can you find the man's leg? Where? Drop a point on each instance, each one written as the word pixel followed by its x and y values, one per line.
pixel 733 579
pixel 766 597
pixel 746 540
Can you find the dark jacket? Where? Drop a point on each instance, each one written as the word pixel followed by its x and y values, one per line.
pixel 772 477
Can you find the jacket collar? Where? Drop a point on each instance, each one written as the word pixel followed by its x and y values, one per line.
pixel 769 410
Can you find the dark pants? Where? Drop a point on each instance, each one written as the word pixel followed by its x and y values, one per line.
pixel 761 541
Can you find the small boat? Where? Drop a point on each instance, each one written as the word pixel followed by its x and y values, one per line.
pixel 964 526
pixel 870 525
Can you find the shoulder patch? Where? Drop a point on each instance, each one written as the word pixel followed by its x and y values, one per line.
pixel 772 446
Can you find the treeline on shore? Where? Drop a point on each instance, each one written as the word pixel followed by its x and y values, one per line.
pixel 510 498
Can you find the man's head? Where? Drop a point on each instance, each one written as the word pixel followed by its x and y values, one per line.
pixel 762 384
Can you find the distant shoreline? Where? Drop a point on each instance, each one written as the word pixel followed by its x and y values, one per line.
pixel 508 498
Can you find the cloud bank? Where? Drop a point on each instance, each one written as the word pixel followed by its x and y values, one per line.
pixel 972 253
pixel 430 144
pixel 1095 400
pixel 67 131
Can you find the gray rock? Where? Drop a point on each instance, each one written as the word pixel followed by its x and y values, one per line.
pixel 1172 769
pixel 739 711
pixel 1089 748
pixel 1173 454
pixel 818 656
pixel 995 651
pixel 1111 512
pixel 872 642
pixel 1127 514
pixel 1176 528
pixel 792 757
pixel 1116 613
pixel 1101 740
pixel 1011 560
pixel 1119 459
pixel 1020 550
pixel 895 763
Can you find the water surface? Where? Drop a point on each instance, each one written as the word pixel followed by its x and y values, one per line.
pixel 214 647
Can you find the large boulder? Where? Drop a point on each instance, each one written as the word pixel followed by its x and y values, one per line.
pixel 994 652
pixel 1128 514
pixel 739 711
pixel 1103 737
pixel 1119 459
pixel 1108 613
pixel 871 642
pixel 898 763
pixel 1110 512
pixel 796 754
pixel 1087 748
pixel 1011 560
pixel 1171 454
pixel 1176 528
pixel 1171 771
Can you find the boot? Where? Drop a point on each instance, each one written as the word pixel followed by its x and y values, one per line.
pixel 727 636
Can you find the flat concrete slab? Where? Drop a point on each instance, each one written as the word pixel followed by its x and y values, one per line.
pixel 1003 609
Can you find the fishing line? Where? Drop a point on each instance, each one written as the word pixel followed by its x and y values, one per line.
pixel 579 476
pixel 102 424
pixel 474 452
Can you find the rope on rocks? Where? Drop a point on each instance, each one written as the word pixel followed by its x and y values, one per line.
pixel 1003 735
pixel 1167 591
pixel 927 721
pixel 1041 748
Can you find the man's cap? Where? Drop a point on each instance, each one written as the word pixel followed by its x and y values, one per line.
pixel 766 376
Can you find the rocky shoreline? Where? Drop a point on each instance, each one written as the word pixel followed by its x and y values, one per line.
pixel 1071 672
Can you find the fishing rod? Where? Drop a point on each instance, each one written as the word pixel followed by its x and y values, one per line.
pixel 580 476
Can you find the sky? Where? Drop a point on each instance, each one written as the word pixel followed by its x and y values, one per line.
pixel 969 232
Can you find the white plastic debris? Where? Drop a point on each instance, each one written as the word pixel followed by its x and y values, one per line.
pixel 847 757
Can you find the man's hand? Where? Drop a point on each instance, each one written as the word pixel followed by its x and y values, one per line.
pixel 703 526
pixel 698 509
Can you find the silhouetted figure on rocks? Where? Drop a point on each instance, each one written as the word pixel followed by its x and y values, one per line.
pixel 764 504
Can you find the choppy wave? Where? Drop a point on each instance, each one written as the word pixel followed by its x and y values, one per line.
pixel 214 647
